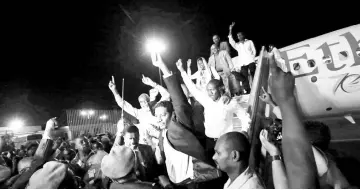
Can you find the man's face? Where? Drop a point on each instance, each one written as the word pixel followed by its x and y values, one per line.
pixel 216 39
pixel 82 144
pixel 143 102
pixel 131 140
pixel 201 65
pixel 214 50
pixel 213 91
pixel 240 36
pixel 222 156
pixel 31 151
pixel 163 117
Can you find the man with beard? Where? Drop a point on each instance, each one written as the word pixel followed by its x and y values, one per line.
pixel 232 152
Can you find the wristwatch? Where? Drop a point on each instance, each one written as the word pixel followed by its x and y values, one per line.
pixel 276 157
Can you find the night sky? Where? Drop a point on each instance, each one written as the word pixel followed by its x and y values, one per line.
pixel 61 55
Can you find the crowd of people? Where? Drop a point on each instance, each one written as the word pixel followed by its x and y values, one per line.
pixel 188 138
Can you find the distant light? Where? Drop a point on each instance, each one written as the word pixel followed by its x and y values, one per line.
pixel 83 113
pixel 103 117
pixel 155 45
pixel 16 123
pixel 91 112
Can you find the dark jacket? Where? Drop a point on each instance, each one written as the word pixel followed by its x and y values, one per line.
pixel 181 133
pixel 149 166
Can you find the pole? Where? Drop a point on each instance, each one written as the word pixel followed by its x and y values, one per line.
pixel 122 95
pixel 160 77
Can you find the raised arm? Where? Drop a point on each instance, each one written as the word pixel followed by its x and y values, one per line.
pixel 119 100
pixel 181 127
pixel 42 154
pixel 298 155
pixel 278 171
pixel 198 95
pixel 231 39
pixel 267 98
pixel 163 92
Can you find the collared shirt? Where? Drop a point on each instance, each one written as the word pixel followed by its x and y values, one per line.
pixel 179 166
pixel 221 62
pixel 218 116
pixel 245 180
pixel 246 51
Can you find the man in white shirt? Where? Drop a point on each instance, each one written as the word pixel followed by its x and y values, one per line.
pixel 232 152
pixel 246 57
pixel 219 109
pixel 147 121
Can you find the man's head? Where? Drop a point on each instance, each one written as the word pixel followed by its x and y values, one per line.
pixel 200 63
pixel 144 100
pixel 214 49
pixel 96 146
pixel 214 89
pixel 131 137
pixel 216 39
pixel 31 149
pixel 82 144
pixel 224 46
pixel 163 112
pixel 319 134
pixel 232 151
pixel 240 36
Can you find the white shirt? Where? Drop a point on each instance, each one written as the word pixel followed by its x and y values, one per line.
pixel 218 116
pixel 179 166
pixel 202 77
pixel 244 181
pixel 246 52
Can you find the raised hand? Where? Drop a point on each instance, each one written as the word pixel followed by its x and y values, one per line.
pixel 281 84
pixel 188 62
pixel 204 61
pixel 232 25
pixel 51 125
pixel 112 85
pixel 153 93
pixel 266 97
pixel 148 81
pixel 269 147
pixel 179 65
pixel 157 60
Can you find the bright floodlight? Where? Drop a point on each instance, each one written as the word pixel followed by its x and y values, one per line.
pixel 155 45
pixel 16 123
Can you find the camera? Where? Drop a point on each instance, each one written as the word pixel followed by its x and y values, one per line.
pixel 274 129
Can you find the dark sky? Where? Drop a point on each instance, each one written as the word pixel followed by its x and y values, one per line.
pixel 61 55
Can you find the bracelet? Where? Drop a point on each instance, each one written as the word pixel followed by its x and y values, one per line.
pixel 276 157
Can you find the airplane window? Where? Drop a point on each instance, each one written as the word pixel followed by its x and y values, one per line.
pixel 311 63
pixel 313 79
pixel 327 59
pixel 358 51
pixel 343 55
pixel 296 66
